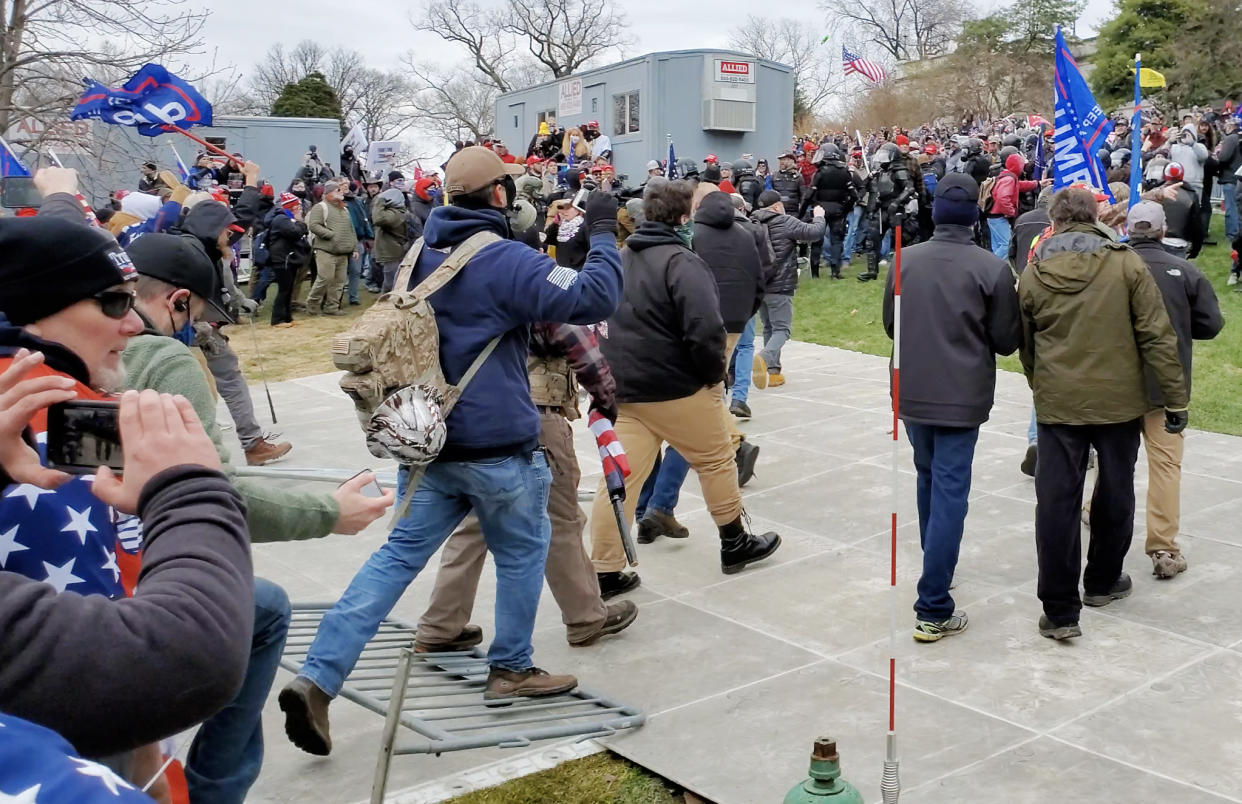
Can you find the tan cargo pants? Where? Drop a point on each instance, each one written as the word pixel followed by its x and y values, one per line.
pixel 1164 483
pixel 569 571
pixel 332 270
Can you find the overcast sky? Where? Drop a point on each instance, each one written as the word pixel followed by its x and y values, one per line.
pixel 240 31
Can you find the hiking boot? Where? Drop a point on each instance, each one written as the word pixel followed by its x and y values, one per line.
pixel 1030 460
pixel 612 584
pixel 265 452
pixel 759 372
pixel 1057 632
pixel 868 276
pixel 747 454
pixel 618 618
pixel 658 523
pixel 306 716
pixel 334 313
pixel 836 271
pixel 739 409
pixel 1120 589
pixel 776 379
pixel 738 548
pixel 530 683
pixel 470 636
pixel 1165 565
pixel 935 630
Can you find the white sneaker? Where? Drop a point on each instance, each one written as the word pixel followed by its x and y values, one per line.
pixel 1232 280
pixel 883 263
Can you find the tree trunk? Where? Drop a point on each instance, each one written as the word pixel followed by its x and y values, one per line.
pixel 10 49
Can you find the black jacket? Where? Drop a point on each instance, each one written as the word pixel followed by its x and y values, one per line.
pixel 784 233
pixel 959 310
pixel 833 189
pixel 1229 159
pixel 1026 228
pixel 666 340
pixel 286 241
pixel 733 253
pixel 419 210
pixel 789 185
pixel 979 167
pixel 1183 221
pixel 1193 309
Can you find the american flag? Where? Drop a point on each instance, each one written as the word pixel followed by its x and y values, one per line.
pixel 616 465
pixel 38 765
pixel 865 67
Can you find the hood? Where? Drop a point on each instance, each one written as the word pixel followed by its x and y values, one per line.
pixel 206 221
pixel 392 198
pixel 1014 163
pixel 765 215
pixel 1192 131
pixel 141 205
pixel 652 233
pixel 448 226
pixel 55 356
pixel 715 210
pixel 1070 275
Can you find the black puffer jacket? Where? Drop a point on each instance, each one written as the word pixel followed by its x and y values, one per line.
pixel 784 233
pixel 789 185
pixel 286 241
pixel 833 189
pixel 666 340
pixel 733 253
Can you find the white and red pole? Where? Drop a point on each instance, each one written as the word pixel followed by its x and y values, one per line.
pixel 890 783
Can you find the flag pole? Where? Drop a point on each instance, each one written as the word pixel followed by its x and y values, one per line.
pixel 890 781
pixel 52 153
pixel 204 143
pixel 1136 140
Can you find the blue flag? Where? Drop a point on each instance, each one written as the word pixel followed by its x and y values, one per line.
pixel 671 172
pixel 1037 171
pixel 152 99
pixel 1081 126
pixel 10 165
pixel 181 168
pixel 1136 137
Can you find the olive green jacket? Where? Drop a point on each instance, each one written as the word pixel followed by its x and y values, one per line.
pixel 272 514
pixel 1092 317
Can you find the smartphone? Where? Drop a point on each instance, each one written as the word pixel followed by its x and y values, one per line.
pixel 83 435
pixel 372 489
pixel 580 199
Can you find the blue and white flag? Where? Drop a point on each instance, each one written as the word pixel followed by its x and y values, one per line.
pixel 1037 171
pixel 181 168
pixel 152 99
pixel 671 172
pixel 1136 136
pixel 1081 126
pixel 10 165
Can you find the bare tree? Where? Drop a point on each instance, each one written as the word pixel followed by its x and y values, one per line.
pixel 478 32
pixel 45 42
pixel 903 29
pixel 563 35
pixel 344 70
pixel 452 103
pixel 382 103
pixel 790 41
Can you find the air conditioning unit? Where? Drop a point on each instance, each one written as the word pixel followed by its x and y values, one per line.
pixel 728 115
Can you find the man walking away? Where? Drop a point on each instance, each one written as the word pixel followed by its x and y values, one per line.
pixel 960 310
pixel 784 232
pixel 1229 159
pixel 1028 229
pixel 1195 315
pixel 1092 322
pixel 335 240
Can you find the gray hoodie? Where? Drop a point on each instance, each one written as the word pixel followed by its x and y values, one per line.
pixel 1191 157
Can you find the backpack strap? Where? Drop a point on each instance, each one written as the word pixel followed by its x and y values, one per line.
pixel 406 268
pixel 454 262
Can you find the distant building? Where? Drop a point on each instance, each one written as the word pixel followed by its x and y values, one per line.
pixel 708 101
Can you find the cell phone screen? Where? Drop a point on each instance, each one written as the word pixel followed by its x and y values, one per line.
pixel 83 435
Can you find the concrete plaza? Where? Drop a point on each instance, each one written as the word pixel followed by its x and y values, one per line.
pixel 739 674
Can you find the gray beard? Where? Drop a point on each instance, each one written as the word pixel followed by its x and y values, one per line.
pixel 110 381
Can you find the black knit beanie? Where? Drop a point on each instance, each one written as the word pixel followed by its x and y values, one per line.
pixel 956 200
pixel 49 263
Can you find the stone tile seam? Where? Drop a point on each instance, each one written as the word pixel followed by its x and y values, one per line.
pixel 1141 768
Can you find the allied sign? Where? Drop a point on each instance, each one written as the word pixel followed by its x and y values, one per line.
pixel 735 72
pixel 569 100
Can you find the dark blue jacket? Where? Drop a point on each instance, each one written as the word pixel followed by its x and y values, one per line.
pixel 506 287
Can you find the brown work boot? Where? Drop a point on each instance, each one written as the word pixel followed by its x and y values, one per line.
pixel 266 452
pixel 775 379
pixel 306 716
pixel 530 683
pixel 1166 565
pixel 618 618
pixel 470 636
pixel 657 523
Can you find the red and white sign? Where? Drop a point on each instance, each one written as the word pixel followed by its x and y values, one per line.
pixel 569 99
pixel 73 133
pixel 735 72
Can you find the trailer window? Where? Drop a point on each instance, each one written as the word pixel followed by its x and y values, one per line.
pixel 625 115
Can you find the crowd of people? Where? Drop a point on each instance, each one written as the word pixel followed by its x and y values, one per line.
pixel 551 278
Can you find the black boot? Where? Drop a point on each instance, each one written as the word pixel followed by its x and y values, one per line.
pixel 836 272
pixel 739 548
pixel 612 584
pixel 815 270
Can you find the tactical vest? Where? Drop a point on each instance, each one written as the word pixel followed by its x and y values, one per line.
pixel 553 384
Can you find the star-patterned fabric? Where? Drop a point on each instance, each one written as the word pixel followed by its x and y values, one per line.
pixel 38 766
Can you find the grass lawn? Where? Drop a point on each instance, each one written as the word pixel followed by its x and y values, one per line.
pixel 598 779
pixel 846 313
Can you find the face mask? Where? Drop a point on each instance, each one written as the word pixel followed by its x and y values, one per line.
pixel 185 333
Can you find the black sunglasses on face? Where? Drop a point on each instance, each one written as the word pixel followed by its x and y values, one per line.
pixel 115 303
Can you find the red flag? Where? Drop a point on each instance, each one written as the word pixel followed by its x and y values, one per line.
pixel 616 466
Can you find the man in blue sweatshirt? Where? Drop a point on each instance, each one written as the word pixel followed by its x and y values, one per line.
pixel 491 462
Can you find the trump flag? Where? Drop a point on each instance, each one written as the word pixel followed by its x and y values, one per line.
pixel 1080 125
pixel 150 101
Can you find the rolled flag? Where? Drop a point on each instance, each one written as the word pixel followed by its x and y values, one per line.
pixel 616 469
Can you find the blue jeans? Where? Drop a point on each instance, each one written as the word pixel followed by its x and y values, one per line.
pixel 1231 208
pixel 851 232
pixel 260 282
pixel 1032 432
pixel 942 458
pixel 743 357
pixel 1001 231
pixel 354 274
pixel 227 752
pixel 668 482
pixel 510 497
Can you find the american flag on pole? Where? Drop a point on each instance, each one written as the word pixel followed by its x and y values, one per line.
pixel 865 67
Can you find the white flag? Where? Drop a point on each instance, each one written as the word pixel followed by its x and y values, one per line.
pixel 356 138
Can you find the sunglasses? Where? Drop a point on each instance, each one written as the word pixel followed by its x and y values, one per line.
pixel 115 303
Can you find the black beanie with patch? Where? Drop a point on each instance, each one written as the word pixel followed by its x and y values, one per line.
pixel 49 263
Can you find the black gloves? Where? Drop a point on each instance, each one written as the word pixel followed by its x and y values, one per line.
pixel 601 213
pixel 1175 421
pixel 609 413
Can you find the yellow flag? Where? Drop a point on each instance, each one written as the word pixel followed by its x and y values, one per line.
pixel 1149 78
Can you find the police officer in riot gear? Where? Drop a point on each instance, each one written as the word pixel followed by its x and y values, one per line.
pixel 832 189
pixel 890 188
pixel 748 185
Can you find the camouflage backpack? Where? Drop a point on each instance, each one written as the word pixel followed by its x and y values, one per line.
pixel 391 356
